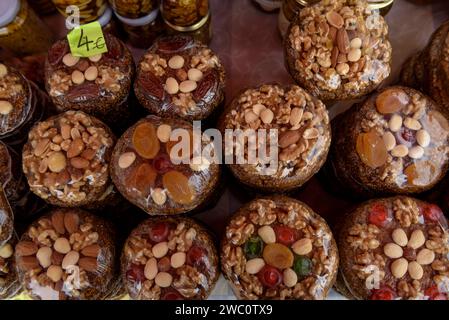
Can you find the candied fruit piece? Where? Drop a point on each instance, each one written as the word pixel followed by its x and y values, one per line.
pixel 178 186
pixel 371 149
pixel 162 163
pixel 145 140
pixel 278 256
pixel 159 232
pixel 135 273
pixel 269 276
pixel 383 293
pixel 432 213
pixel 391 101
pixel 142 178
pixel 434 294
pixel 420 173
pixel 378 215
pixel 285 235
pixel 302 266
pixel 253 247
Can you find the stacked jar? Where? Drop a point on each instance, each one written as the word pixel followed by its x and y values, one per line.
pixel 89 10
pixel 42 7
pixel 21 30
pixel 140 20
pixel 188 17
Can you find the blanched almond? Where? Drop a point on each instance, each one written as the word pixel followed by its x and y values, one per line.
pixel 126 159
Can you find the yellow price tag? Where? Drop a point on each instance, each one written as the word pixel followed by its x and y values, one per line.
pixel 87 40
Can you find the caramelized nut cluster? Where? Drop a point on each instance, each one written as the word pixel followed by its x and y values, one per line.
pixel 66 159
pixel 339 49
pixel 396 248
pixel 278 248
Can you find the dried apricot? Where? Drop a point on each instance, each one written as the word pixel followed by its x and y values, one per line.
pixel 145 140
pixel 420 173
pixel 391 101
pixel 371 149
pixel 142 178
pixel 277 255
pixel 178 186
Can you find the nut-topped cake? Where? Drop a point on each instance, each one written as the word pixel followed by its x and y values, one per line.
pixel 395 248
pixel 303 130
pixel 98 85
pixel 67 254
pixel 338 49
pixel 9 284
pixel 179 76
pixel 394 142
pixel 169 259
pixel 149 170
pixel 21 104
pixel 66 159
pixel 6 219
pixel 278 248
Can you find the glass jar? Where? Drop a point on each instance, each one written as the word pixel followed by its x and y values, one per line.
pixel 42 7
pixel 90 10
pixel 21 30
pixel 142 31
pixel 133 9
pixel 288 12
pixel 190 17
pixel 383 5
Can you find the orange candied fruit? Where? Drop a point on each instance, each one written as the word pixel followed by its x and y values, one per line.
pixel 391 101
pixel 277 255
pixel 145 140
pixel 420 173
pixel 142 178
pixel 178 187
pixel 371 149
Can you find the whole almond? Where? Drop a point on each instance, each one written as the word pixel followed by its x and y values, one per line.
pixel 41 147
pixel 27 263
pixel 75 149
pixel 65 131
pixel 335 19
pixel 333 34
pixel 26 248
pixel 57 220
pixel 89 264
pixel 70 259
pixel 288 138
pixel 334 56
pixel 79 163
pixel 343 42
pixel 56 258
pixel 91 251
pixel 71 222
pixel 88 154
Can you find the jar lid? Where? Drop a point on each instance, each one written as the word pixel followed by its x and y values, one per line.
pixel 8 11
pixel 105 17
pixel 142 21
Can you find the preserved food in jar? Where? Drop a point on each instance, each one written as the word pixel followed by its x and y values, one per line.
pixel 90 10
pixel 21 30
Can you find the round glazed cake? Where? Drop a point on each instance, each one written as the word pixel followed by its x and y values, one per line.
pixel 303 130
pixel 394 142
pixel 169 259
pixel 67 254
pixel 180 76
pixel 9 284
pixel 21 104
pixel 395 248
pixel 149 170
pixel 278 248
pixel 66 159
pixel 98 85
pixel 338 49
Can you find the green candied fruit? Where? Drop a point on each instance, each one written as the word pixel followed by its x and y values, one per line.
pixel 302 266
pixel 253 247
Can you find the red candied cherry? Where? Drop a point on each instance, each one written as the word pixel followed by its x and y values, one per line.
pixel 434 294
pixel 378 215
pixel 270 276
pixel 285 235
pixel 383 293
pixel 172 295
pixel 163 265
pixel 162 163
pixel 432 213
pixel 159 232
pixel 196 256
pixel 136 273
